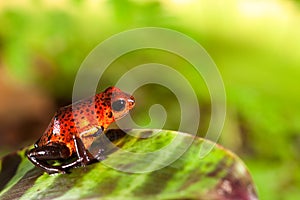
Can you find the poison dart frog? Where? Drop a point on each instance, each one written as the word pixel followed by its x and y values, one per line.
pixel 73 129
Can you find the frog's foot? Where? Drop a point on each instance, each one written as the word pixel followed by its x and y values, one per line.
pixel 100 155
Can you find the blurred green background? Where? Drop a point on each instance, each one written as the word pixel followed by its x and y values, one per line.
pixel 255 44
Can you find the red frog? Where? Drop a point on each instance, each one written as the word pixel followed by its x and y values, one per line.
pixel 73 129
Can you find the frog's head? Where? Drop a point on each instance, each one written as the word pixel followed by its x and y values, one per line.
pixel 120 102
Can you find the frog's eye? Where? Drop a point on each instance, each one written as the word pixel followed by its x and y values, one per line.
pixel 118 105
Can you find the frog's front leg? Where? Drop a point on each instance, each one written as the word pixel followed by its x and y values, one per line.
pixel 84 157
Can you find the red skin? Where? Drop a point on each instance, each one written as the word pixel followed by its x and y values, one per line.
pixel 77 125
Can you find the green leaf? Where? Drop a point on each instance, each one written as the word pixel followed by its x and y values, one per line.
pixel 219 175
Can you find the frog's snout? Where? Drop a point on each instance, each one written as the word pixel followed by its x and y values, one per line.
pixel 131 102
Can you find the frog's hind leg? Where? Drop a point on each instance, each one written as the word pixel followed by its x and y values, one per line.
pixel 84 157
pixel 40 155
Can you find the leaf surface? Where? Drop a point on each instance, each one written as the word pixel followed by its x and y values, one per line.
pixel 220 175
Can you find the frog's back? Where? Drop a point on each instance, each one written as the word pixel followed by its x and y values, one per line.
pixel 67 122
